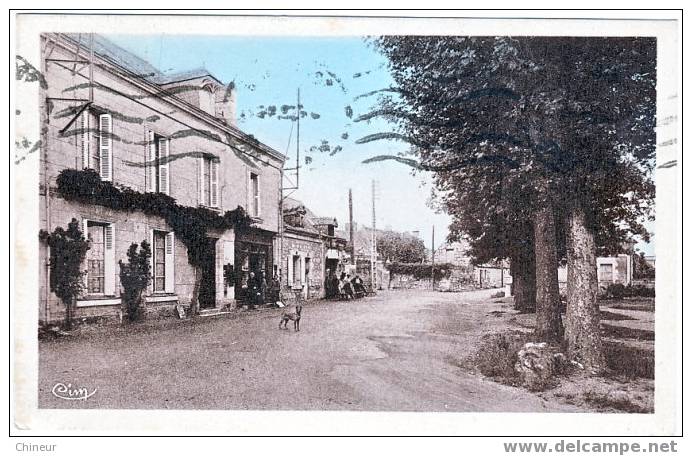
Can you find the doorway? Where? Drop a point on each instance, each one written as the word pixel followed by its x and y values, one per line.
pixel 207 288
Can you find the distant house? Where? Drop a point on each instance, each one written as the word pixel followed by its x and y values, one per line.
pixel 455 253
pixel 613 269
pixel 310 246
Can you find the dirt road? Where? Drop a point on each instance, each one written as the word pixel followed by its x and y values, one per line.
pixel 399 351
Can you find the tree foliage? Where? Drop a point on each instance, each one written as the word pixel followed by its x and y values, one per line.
pixel 400 247
pixel 574 114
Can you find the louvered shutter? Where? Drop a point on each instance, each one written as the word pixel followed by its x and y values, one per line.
pixel 84 135
pixel 151 163
pixel 170 263
pixel 106 146
pixel 258 197
pixel 85 264
pixel 302 269
pixel 109 260
pixel 214 178
pixel 201 181
pixel 164 177
pixel 289 268
pixel 151 261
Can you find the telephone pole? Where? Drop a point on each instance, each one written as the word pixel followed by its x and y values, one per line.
pixel 373 241
pixel 350 227
pixel 433 258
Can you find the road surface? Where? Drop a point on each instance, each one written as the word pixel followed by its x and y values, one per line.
pixel 398 351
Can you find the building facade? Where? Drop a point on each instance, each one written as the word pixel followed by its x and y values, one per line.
pixel 105 109
pixel 311 250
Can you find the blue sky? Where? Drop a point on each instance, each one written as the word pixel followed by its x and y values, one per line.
pixel 331 73
pixel 268 71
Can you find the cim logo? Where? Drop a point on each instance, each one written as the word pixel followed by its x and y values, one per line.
pixel 71 393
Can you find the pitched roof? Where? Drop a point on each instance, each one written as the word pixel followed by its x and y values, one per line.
pixel 111 51
pixel 187 75
pixel 312 221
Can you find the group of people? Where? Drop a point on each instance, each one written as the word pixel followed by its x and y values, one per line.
pixel 344 286
pixel 259 291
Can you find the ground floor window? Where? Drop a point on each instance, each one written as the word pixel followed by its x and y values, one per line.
pixel 606 271
pixel 96 258
pixel 159 253
pixel 296 271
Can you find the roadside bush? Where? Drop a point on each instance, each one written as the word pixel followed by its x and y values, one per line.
pixel 497 356
pixel 619 291
pixel 421 271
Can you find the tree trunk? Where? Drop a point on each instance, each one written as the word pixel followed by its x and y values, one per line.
pixel 69 305
pixel 548 324
pixel 524 283
pixel 582 329
pixel 524 279
pixel 194 303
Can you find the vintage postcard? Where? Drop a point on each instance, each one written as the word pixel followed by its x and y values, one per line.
pixel 239 224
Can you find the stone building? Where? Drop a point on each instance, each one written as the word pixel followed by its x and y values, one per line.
pixel 106 109
pixel 310 248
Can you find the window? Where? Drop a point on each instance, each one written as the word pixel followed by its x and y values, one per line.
pixel 97 144
pixel 159 261
pixel 163 261
pixel 606 272
pixel 296 271
pixel 100 277
pixel 158 174
pixel 209 181
pixel 96 259
pixel 254 195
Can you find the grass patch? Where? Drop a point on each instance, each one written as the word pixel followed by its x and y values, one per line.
pixel 617 400
pixel 628 360
pixel 613 316
pixel 622 332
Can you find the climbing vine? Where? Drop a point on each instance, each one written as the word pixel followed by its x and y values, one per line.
pixel 190 224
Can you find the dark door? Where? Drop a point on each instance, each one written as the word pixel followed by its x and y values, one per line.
pixel 207 289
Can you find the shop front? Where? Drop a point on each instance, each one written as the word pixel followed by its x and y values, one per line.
pixel 253 254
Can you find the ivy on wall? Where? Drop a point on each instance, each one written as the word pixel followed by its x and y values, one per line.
pixel 190 224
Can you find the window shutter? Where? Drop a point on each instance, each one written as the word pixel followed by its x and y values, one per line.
pixel 164 178
pixel 259 193
pixel 106 146
pixel 214 178
pixel 201 181
pixel 85 263
pixel 289 268
pixel 302 269
pixel 249 193
pixel 109 260
pixel 170 263
pixel 151 162
pixel 151 261
pixel 85 133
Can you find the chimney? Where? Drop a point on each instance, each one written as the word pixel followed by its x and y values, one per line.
pixel 226 103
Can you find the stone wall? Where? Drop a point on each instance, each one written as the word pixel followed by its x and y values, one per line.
pixel 311 250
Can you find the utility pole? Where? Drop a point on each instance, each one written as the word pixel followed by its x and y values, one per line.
pixel 373 241
pixel 298 141
pixel 350 227
pixel 433 258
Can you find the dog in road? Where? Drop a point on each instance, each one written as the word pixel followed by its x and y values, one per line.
pixel 291 316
